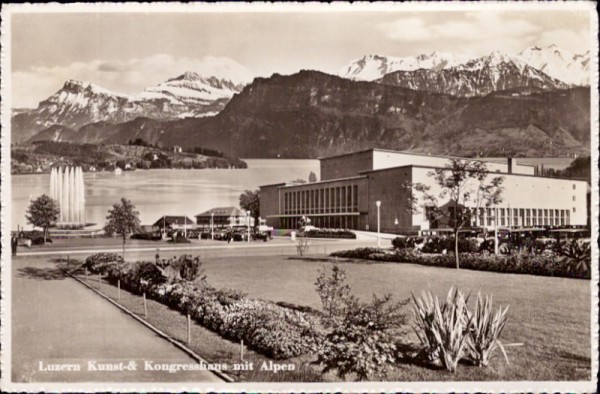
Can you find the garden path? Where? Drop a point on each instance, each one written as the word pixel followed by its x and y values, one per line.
pixel 56 320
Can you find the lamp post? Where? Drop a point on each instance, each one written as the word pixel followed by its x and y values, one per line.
pixel 378 203
pixel 496 230
pixel 212 226
pixel 248 215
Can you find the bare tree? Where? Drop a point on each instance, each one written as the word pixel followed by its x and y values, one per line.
pixel 463 188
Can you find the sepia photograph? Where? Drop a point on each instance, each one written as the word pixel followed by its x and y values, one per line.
pixel 300 197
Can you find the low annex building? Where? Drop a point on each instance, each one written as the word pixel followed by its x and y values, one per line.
pixel 223 217
pixel 352 183
pixel 174 223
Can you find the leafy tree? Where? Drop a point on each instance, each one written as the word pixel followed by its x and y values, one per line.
pixel 463 189
pixel 312 177
pixel 250 201
pixel 43 212
pixel 123 219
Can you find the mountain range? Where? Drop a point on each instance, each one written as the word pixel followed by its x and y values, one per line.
pixel 78 103
pixel 438 103
pixel 555 62
pixel 311 114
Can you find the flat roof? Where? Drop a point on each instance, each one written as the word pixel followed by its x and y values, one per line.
pixel 490 172
pixel 282 185
pixel 495 160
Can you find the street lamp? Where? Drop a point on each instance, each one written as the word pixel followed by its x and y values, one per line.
pixel 212 226
pixel 378 203
pixel 248 215
pixel 496 230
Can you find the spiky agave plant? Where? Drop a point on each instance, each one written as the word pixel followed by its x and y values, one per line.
pixel 424 311
pixel 485 329
pixel 443 328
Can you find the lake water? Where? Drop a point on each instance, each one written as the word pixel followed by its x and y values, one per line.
pixel 163 192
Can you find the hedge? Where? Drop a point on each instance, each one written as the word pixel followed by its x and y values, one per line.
pixel 268 328
pixel 330 233
pixel 517 263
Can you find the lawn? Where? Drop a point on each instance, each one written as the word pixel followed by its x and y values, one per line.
pixel 549 316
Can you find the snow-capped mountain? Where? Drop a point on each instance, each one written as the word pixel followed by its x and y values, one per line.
pixel 559 63
pixel 192 90
pixel 477 77
pixel 372 67
pixel 78 103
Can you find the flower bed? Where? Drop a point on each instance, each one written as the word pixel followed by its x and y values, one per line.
pixel 330 233
pixel 268 328
pixel 517 263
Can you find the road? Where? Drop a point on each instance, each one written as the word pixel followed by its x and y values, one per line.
pixel 56 320
pixel 205 248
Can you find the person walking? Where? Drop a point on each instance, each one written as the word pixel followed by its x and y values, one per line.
pixel 14 244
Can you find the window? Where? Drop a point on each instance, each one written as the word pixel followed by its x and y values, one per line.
pixel 348 198
pixel 573 198
pixel 574 186
pixel 574 210
pixel 355 198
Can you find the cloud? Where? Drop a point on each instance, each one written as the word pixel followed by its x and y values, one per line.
pixel 123 76
pixel 575 41
pixel 473 32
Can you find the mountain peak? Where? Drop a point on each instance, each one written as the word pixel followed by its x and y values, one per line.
pixel 78 86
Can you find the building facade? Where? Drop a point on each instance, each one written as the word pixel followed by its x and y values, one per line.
pixel 352 183
pixel 223 217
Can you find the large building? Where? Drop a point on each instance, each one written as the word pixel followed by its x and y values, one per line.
pixel 352 183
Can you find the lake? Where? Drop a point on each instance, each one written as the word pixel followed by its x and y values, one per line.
pixel 163 192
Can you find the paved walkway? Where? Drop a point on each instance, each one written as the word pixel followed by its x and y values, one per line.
pixel 56 320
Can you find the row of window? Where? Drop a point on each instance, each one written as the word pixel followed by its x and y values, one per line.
pixel 325 200
pixel 523 217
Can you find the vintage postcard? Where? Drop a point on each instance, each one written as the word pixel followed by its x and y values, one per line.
pixel 294 197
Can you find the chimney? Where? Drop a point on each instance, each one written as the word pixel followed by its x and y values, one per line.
pixel 510 165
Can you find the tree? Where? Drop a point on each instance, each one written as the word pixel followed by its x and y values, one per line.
pixel 122 219
pixel 43 212
pixel 312 177
pixel 463 189
pixel 250 201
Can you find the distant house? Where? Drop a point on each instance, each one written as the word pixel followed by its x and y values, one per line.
pixel 223 217
pixel 177 149
pixel 174 223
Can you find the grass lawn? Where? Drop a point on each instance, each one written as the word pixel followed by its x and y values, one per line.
pixel 550 316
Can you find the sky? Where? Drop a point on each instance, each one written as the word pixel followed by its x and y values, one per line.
pixel 127 52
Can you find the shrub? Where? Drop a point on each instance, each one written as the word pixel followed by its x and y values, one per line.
pixel 179 239
pixel 333 291
pixel 302 246
pixel 362 337
pixel 330 233
pixel 363 340
pixel 545 264
pixel 577 256
pixel 101 263
pixel 400 243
